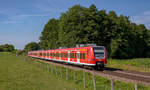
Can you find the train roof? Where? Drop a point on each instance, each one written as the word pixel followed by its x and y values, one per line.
pixel 66 48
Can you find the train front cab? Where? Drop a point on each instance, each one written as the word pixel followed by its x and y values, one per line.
pixel 100 57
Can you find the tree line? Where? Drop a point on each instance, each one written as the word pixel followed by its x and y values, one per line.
pixel 80 25
pixel 7 48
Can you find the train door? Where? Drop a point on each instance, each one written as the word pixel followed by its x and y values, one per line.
pixel 78 57
pixel 68 56
pixel 59 55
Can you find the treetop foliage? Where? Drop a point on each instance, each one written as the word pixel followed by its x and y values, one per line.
pixel 32 46
pixel 81 25
pixel 7 48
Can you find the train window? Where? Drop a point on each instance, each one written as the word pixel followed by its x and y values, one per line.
pixel 57 54
pixel 87 52
pixel 66 55
pixel 63 55
pixel 83 55
pixel 71 55
pixel 99 52
pixel 54 54
pixel 80 55
pixel 75 55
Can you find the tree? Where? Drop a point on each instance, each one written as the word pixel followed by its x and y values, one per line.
pixel 81 25
pixel 78 26
pixel 31 47
pixel 7 48
pixel 49 36
pixel 70 29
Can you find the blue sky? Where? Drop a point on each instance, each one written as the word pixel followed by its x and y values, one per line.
pixel 21 21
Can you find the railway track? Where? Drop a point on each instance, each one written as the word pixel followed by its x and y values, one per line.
pixel 112 73
pixel 129 76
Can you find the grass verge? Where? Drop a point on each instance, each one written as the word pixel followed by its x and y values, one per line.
pixel 140 64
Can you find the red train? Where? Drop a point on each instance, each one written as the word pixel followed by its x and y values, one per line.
pixel 86 55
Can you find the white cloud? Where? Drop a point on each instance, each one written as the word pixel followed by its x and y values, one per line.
pixel 142 18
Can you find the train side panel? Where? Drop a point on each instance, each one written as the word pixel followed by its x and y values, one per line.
pixel 82 55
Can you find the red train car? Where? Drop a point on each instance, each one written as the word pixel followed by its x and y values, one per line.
pixel 90 55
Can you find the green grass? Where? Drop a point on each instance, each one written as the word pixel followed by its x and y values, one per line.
pixel 17 74
pixel 101 82
pixel 24 73
pixel 140 64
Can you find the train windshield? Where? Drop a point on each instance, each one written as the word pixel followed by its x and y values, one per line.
pixel 99 52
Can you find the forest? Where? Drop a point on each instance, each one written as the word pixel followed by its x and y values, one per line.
pixel 123 38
